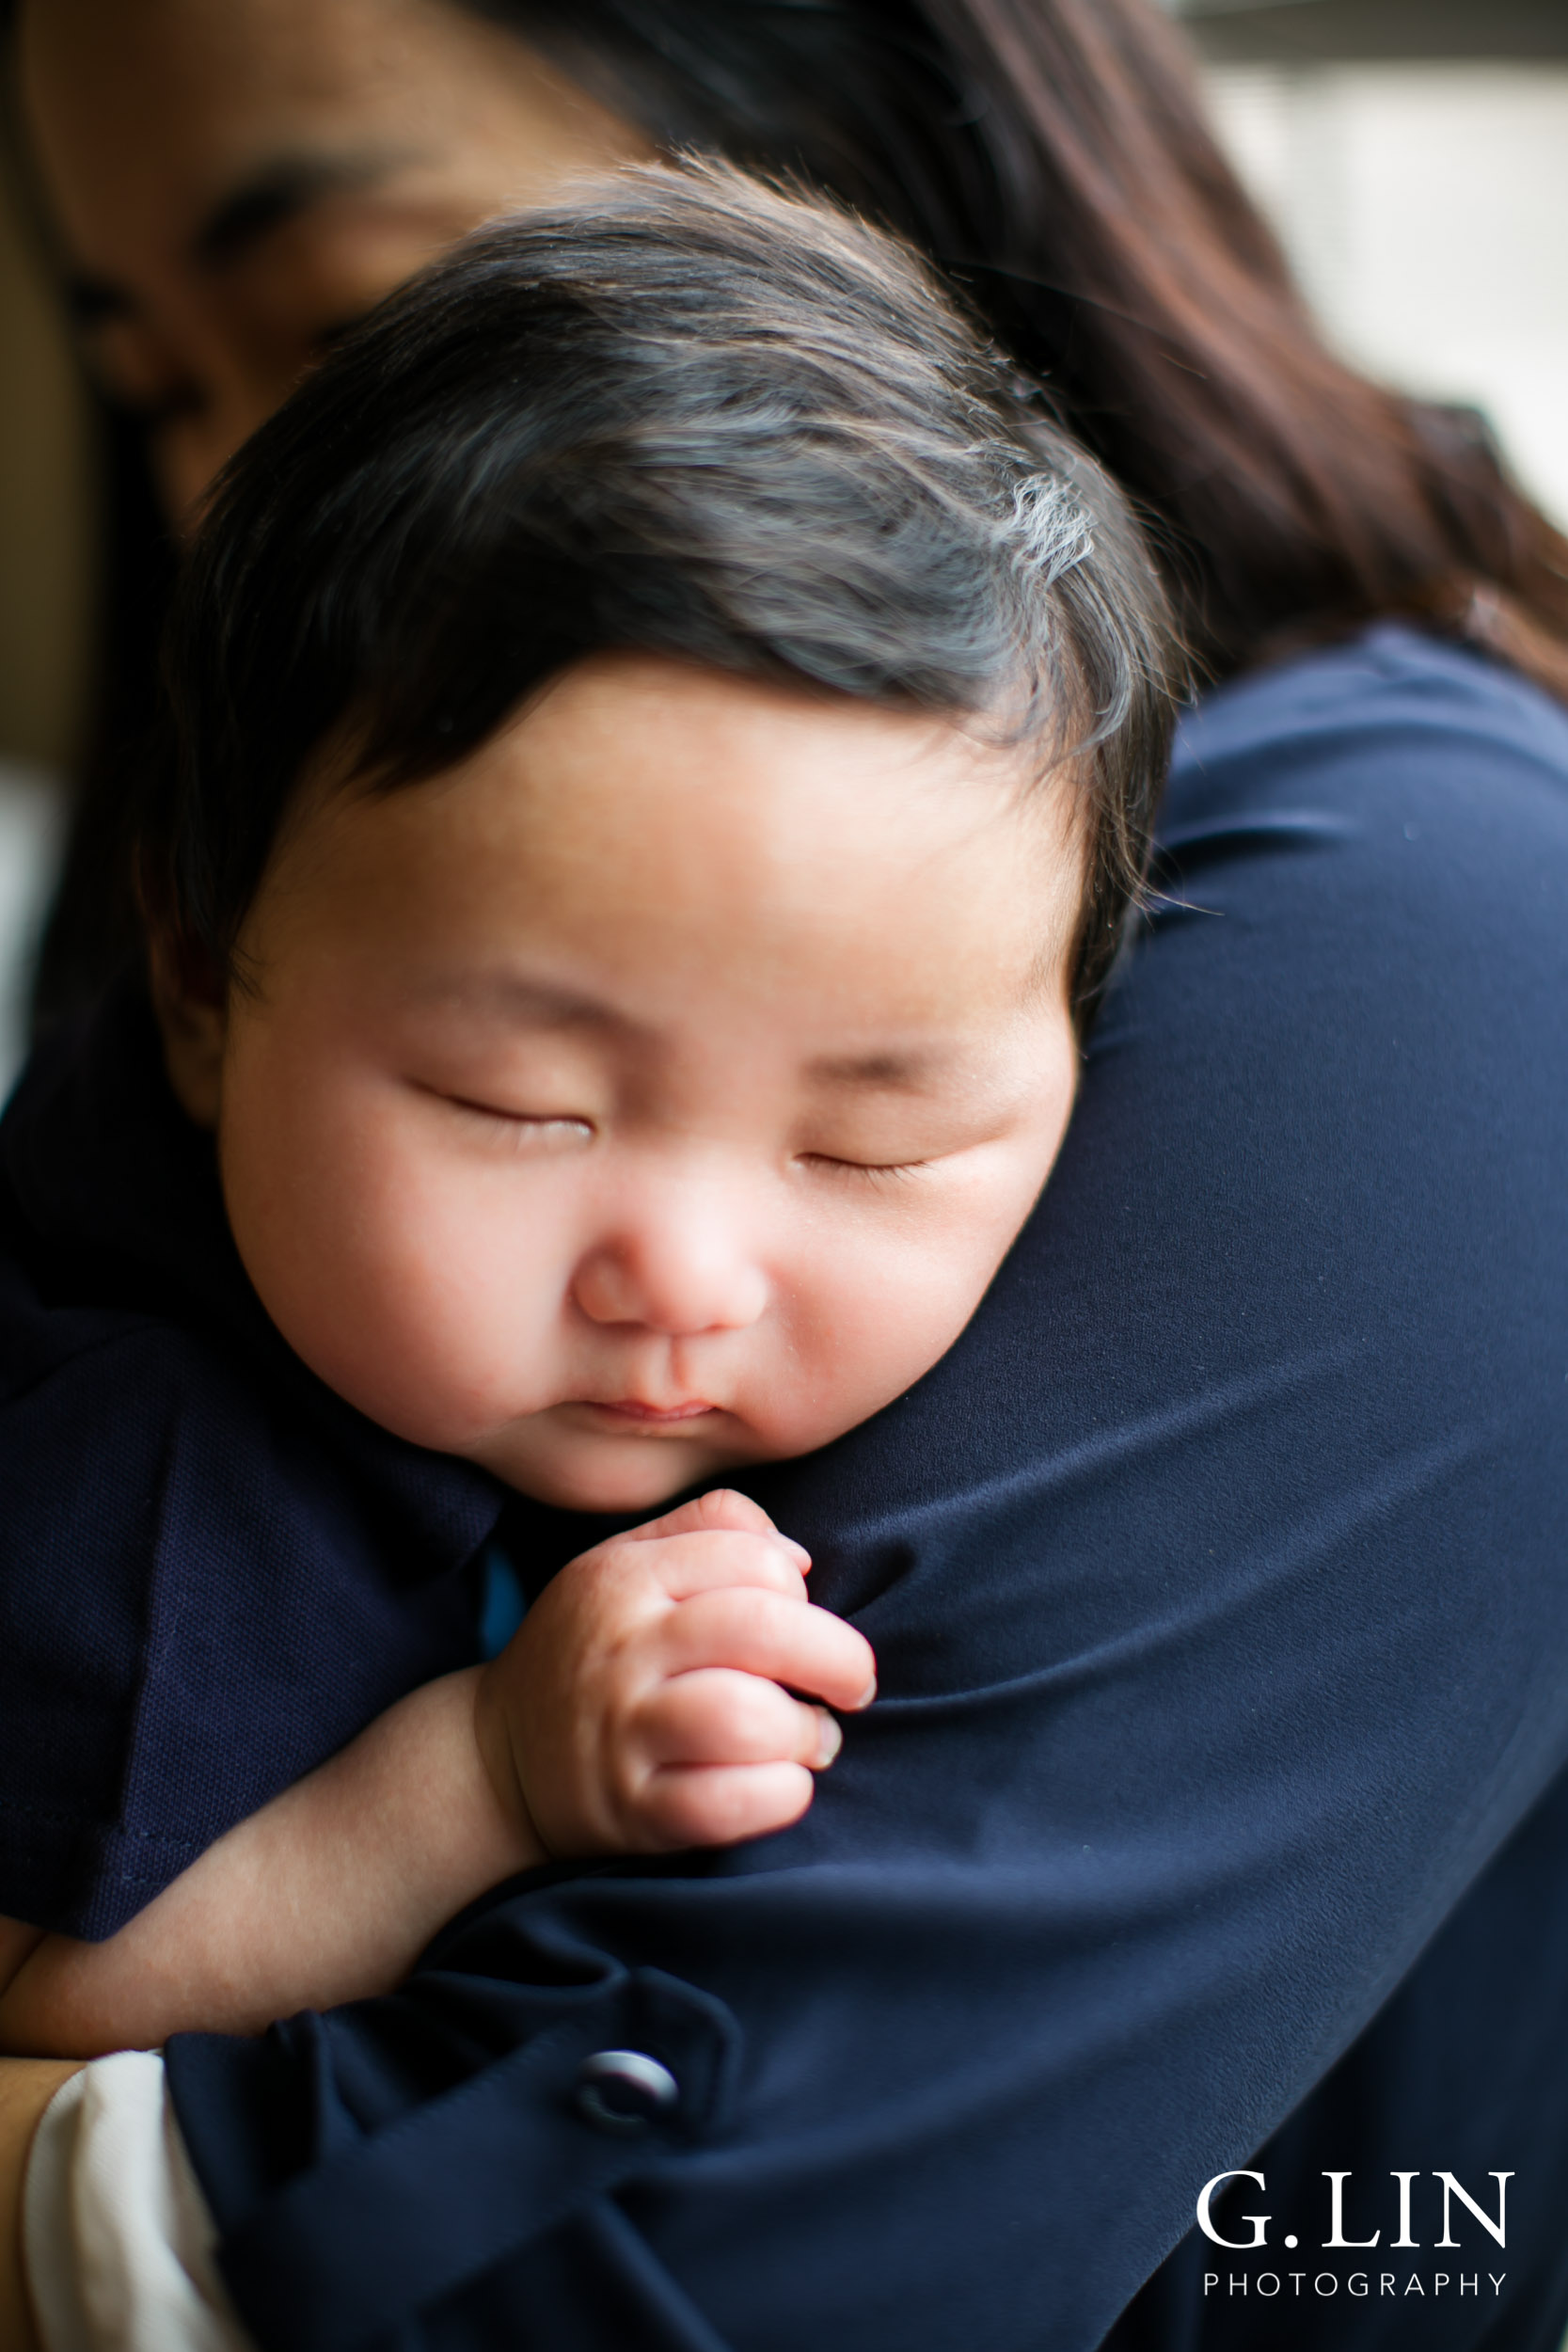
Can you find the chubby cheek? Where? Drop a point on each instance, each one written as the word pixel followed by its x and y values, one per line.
pixel 406 1282
pixel 881 1306
pixel 884 1295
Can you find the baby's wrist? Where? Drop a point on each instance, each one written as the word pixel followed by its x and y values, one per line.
pixel 493 1739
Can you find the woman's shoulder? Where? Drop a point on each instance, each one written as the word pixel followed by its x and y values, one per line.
pixel 1391 684
pixel 1380 807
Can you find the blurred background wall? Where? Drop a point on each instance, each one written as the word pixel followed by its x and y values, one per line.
pixel 1413 153
pixel 44 501
pixel 45 588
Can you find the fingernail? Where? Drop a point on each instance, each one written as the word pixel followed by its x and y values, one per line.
pixel 798 1552
pixel 828 1739
pixel 866 1696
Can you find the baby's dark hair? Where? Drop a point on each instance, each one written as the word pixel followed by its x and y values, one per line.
pixel 687 414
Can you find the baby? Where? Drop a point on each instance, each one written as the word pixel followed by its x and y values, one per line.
pixel 664 736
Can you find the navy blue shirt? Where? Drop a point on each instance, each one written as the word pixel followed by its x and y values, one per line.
pixel 1219 1585
pixel 213 1572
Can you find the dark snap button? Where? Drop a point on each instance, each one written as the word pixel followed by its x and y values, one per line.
pixel 625 2090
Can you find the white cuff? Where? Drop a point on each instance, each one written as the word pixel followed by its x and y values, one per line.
pixel 118 2238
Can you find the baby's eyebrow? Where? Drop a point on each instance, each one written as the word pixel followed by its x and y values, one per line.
pixel 540 1004
pixel 547 1005
pixel 894 1069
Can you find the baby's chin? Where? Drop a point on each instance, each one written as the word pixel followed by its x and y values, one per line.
pixel 614 1477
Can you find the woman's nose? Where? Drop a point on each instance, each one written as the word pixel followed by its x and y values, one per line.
pixel 679 1274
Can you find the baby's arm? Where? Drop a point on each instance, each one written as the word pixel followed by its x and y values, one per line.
pixel 638 1709
pixel 327 1893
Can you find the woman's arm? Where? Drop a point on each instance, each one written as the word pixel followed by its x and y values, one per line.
pixel 1217 1586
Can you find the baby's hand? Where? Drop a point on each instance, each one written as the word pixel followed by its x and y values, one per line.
pixel 641 1706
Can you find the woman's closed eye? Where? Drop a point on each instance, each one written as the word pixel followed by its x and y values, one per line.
pixel 133 373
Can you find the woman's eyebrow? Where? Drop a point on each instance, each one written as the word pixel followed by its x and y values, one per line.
pixel 275 194
pixel 265 200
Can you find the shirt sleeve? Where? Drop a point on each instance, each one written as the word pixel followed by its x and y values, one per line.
pixel 196 1608
pixel 116 2236
pixel 1217 1583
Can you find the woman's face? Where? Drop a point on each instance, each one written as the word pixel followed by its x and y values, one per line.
pixel 237 181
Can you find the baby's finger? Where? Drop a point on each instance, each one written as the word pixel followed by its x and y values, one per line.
pixel 702 1563
pixel 715 1804
pixel 765 1633
pixel 715 1716
pixel 721 1511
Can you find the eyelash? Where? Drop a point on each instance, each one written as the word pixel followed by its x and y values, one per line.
pixel 519 1122
pixel 875 1171
pixel 894 1171
pixel 152 416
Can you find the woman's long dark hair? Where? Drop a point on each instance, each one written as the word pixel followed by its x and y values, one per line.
pixel 1054 156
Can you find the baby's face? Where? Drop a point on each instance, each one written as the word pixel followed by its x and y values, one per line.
pixel 659 1090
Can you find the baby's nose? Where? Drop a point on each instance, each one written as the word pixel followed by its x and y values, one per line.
pixel 680 1277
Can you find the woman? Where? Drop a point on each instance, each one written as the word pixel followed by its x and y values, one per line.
pixel 1054 157
pixel 1216 1580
